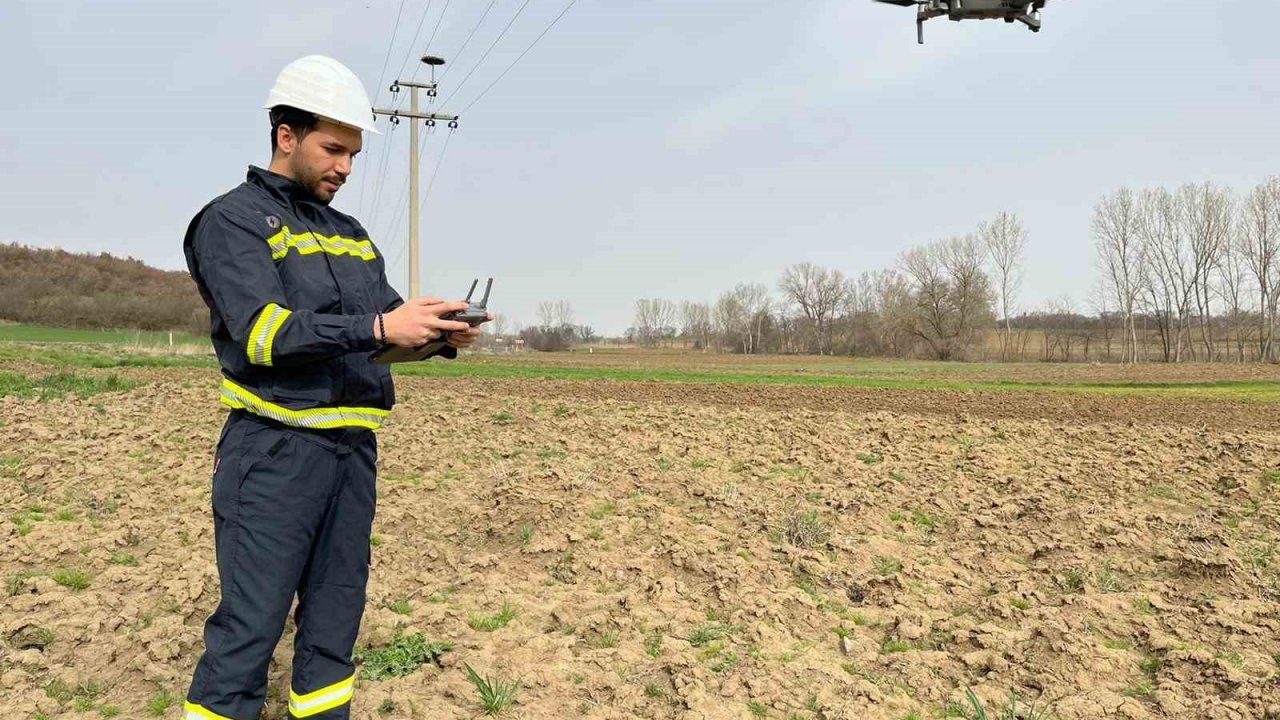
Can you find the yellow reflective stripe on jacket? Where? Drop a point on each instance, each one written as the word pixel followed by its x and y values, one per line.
pixel 192 711
pixel 309 243
pixel 323 699
pixel 324 418
pixel 263 335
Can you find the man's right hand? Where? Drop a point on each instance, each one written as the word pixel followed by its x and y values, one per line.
pixel 418 321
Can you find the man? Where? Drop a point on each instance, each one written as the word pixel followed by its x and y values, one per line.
pixel 298 299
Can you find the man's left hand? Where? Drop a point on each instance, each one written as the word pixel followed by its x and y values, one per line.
pixel 463 339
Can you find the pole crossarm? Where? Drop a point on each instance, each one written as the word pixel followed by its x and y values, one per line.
pixel 413 115
pixel 412 84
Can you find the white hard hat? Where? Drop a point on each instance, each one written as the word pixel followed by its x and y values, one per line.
pixel 325 87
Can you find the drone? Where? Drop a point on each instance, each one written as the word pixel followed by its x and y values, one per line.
pixel 1026 12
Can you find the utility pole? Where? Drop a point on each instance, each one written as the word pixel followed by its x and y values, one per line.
pixel 414 116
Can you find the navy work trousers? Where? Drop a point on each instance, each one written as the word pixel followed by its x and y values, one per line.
pixel 292 513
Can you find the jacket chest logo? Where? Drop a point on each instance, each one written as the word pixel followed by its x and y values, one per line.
pixel 273 222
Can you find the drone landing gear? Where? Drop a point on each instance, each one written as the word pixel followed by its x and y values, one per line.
pixel 1032 21
pixel 927 12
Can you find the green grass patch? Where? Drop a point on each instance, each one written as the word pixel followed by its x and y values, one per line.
pixel 489 623
pixel 73 579
pixel 61 384
pixel 895 646
pixel 496 694
pixel 39 334
pixel 9 466
pixel 653 644
pixel 402 657
pixel 873 376
pixel 1121 644
pixel 711 632
pixel 1140 691
pixel 103 356
pixel 159 704
pixel 886 566
pixel 120 557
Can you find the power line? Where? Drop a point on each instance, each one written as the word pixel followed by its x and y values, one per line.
pixel 486 52
pixel 412 44
pixel 402 194
pixel 468 40
pixel 513 62
pixel 394 29
pixel 395 225
pixel 439 162
pixel 399 99
pixel 377 91
pixel 434 31
pixel 381 178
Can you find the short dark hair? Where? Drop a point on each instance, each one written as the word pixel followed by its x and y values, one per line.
pixel 300 121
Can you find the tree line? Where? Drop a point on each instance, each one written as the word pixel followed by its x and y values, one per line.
pixel 1186 274
pixel 1195 266
pixel 939 301
pixel 61 289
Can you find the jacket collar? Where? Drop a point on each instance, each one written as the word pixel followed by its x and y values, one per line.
pixel 284 190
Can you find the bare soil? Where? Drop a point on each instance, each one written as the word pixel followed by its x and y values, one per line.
pixel 689 551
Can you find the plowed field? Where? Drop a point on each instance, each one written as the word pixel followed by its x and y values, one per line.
pixel 688 551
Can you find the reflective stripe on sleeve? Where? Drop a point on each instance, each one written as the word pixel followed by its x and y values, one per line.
pixel 310 243
pixel 263 335
pixel 322 418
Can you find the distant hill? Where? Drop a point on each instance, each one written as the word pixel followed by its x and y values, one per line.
pixel 73 290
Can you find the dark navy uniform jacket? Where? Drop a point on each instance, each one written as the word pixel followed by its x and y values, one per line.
pixel 293 287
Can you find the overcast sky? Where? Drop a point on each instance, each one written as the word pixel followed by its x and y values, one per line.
pixel 663 148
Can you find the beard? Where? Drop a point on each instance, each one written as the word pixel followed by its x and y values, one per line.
pixel 317 183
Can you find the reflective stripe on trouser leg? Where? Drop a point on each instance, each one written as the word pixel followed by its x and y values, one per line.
pixel 331 595
pixel 269 494
pixel 192 711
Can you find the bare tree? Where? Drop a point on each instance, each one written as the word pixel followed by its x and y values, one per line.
pixel 546 314
pixel 952 294
pixel 731 321
pixel 696 323
pixel 1100 301
pixel 498 336
pixel 1231 276
pixel 1259 244
pixel 816 291
pixel 655 320
pixel 1208 218
pixel 755 303
pixel 1005 239
pixel 1169 279
pixel 1121 255
pixel 895 312
pixel 555 314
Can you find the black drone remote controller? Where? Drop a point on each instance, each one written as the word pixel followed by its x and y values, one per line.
pixel 476 313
